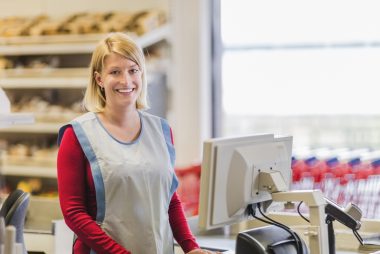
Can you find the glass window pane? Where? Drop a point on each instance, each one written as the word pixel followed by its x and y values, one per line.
pixel 309 68
pixel 246 22
pixel 301 82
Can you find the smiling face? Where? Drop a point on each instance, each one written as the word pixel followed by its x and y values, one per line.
pixel 114 51
pixel 121 79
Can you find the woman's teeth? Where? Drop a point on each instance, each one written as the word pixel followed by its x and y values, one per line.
pixel 125 90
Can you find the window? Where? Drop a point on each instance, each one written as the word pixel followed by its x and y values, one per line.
pixel 309 69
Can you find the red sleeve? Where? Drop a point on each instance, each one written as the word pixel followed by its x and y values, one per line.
pixel 171 135
pixel 71 166
pixel 181 230
pixel 178 223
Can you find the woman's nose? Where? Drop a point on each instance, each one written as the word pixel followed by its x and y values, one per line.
pixel 126 78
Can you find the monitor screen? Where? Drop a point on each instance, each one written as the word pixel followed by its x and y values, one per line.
pixel 235 174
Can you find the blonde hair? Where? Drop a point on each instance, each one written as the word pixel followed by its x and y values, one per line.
pixel 94 98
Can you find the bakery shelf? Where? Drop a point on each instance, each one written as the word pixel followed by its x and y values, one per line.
pixel 46 128
pixel 42 82
pixel 43 72
pixel 50 39
pixel 39 49
pixel 160 34
pixel 15 118
pixel 69 44
pixel 31 171
pixel 44 78
pixel 36 83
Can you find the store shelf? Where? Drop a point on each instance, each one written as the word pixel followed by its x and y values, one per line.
pixel 36 83
pixel 155 36
pixel 15 118
pixel 69 44
pixel 43 72
pixel 46 128
pixel 49 39
pixel 59 48
pixel 30 171
pixel 44 78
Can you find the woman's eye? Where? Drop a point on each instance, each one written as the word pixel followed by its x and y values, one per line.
pixel 114 72
pixel 133 71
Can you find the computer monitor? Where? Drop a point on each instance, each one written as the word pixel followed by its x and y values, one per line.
pixel 239 171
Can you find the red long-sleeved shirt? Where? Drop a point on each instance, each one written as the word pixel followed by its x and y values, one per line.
pixel 78 203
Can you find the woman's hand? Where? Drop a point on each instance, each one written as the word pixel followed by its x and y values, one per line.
pixel 200 251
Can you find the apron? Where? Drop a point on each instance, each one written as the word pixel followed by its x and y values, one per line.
pixel 134 182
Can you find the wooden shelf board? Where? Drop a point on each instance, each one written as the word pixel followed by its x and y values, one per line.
pixel 18 83
pixel 69 44
pixel 15 119
pixel 48 128
pixel 34 171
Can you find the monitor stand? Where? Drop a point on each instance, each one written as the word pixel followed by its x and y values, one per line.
pixel 317 230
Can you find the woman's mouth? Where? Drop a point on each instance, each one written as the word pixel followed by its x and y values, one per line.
pixel 125 90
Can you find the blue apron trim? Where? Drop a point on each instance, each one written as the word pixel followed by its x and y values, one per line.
pixel 174 185
pixel 95 168
pixel 168 139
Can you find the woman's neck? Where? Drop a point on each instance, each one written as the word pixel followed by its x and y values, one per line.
pixel 122 118
pixel 124 126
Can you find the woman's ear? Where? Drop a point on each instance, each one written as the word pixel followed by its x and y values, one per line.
pixel 98 78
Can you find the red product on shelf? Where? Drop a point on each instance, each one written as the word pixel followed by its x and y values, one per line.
pixel 188 188
pixel 341 169
pixel 299 167
pixel 318 170
pixel 362 171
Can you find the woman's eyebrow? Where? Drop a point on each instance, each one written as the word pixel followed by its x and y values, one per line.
pixel 133 65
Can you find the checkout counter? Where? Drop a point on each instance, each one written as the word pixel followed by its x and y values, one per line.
pixel 58 239
pixel 46 232
pixel 224 239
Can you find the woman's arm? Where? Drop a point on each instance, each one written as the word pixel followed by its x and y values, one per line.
pixel 72 184
pixel 178 223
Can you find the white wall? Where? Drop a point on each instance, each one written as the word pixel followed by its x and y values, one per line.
pixel 191 78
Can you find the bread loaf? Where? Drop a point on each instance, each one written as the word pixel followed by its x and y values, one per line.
pixel 146 21
pixel 115 22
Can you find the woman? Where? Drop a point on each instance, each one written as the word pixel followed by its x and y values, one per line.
pixel 116 180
